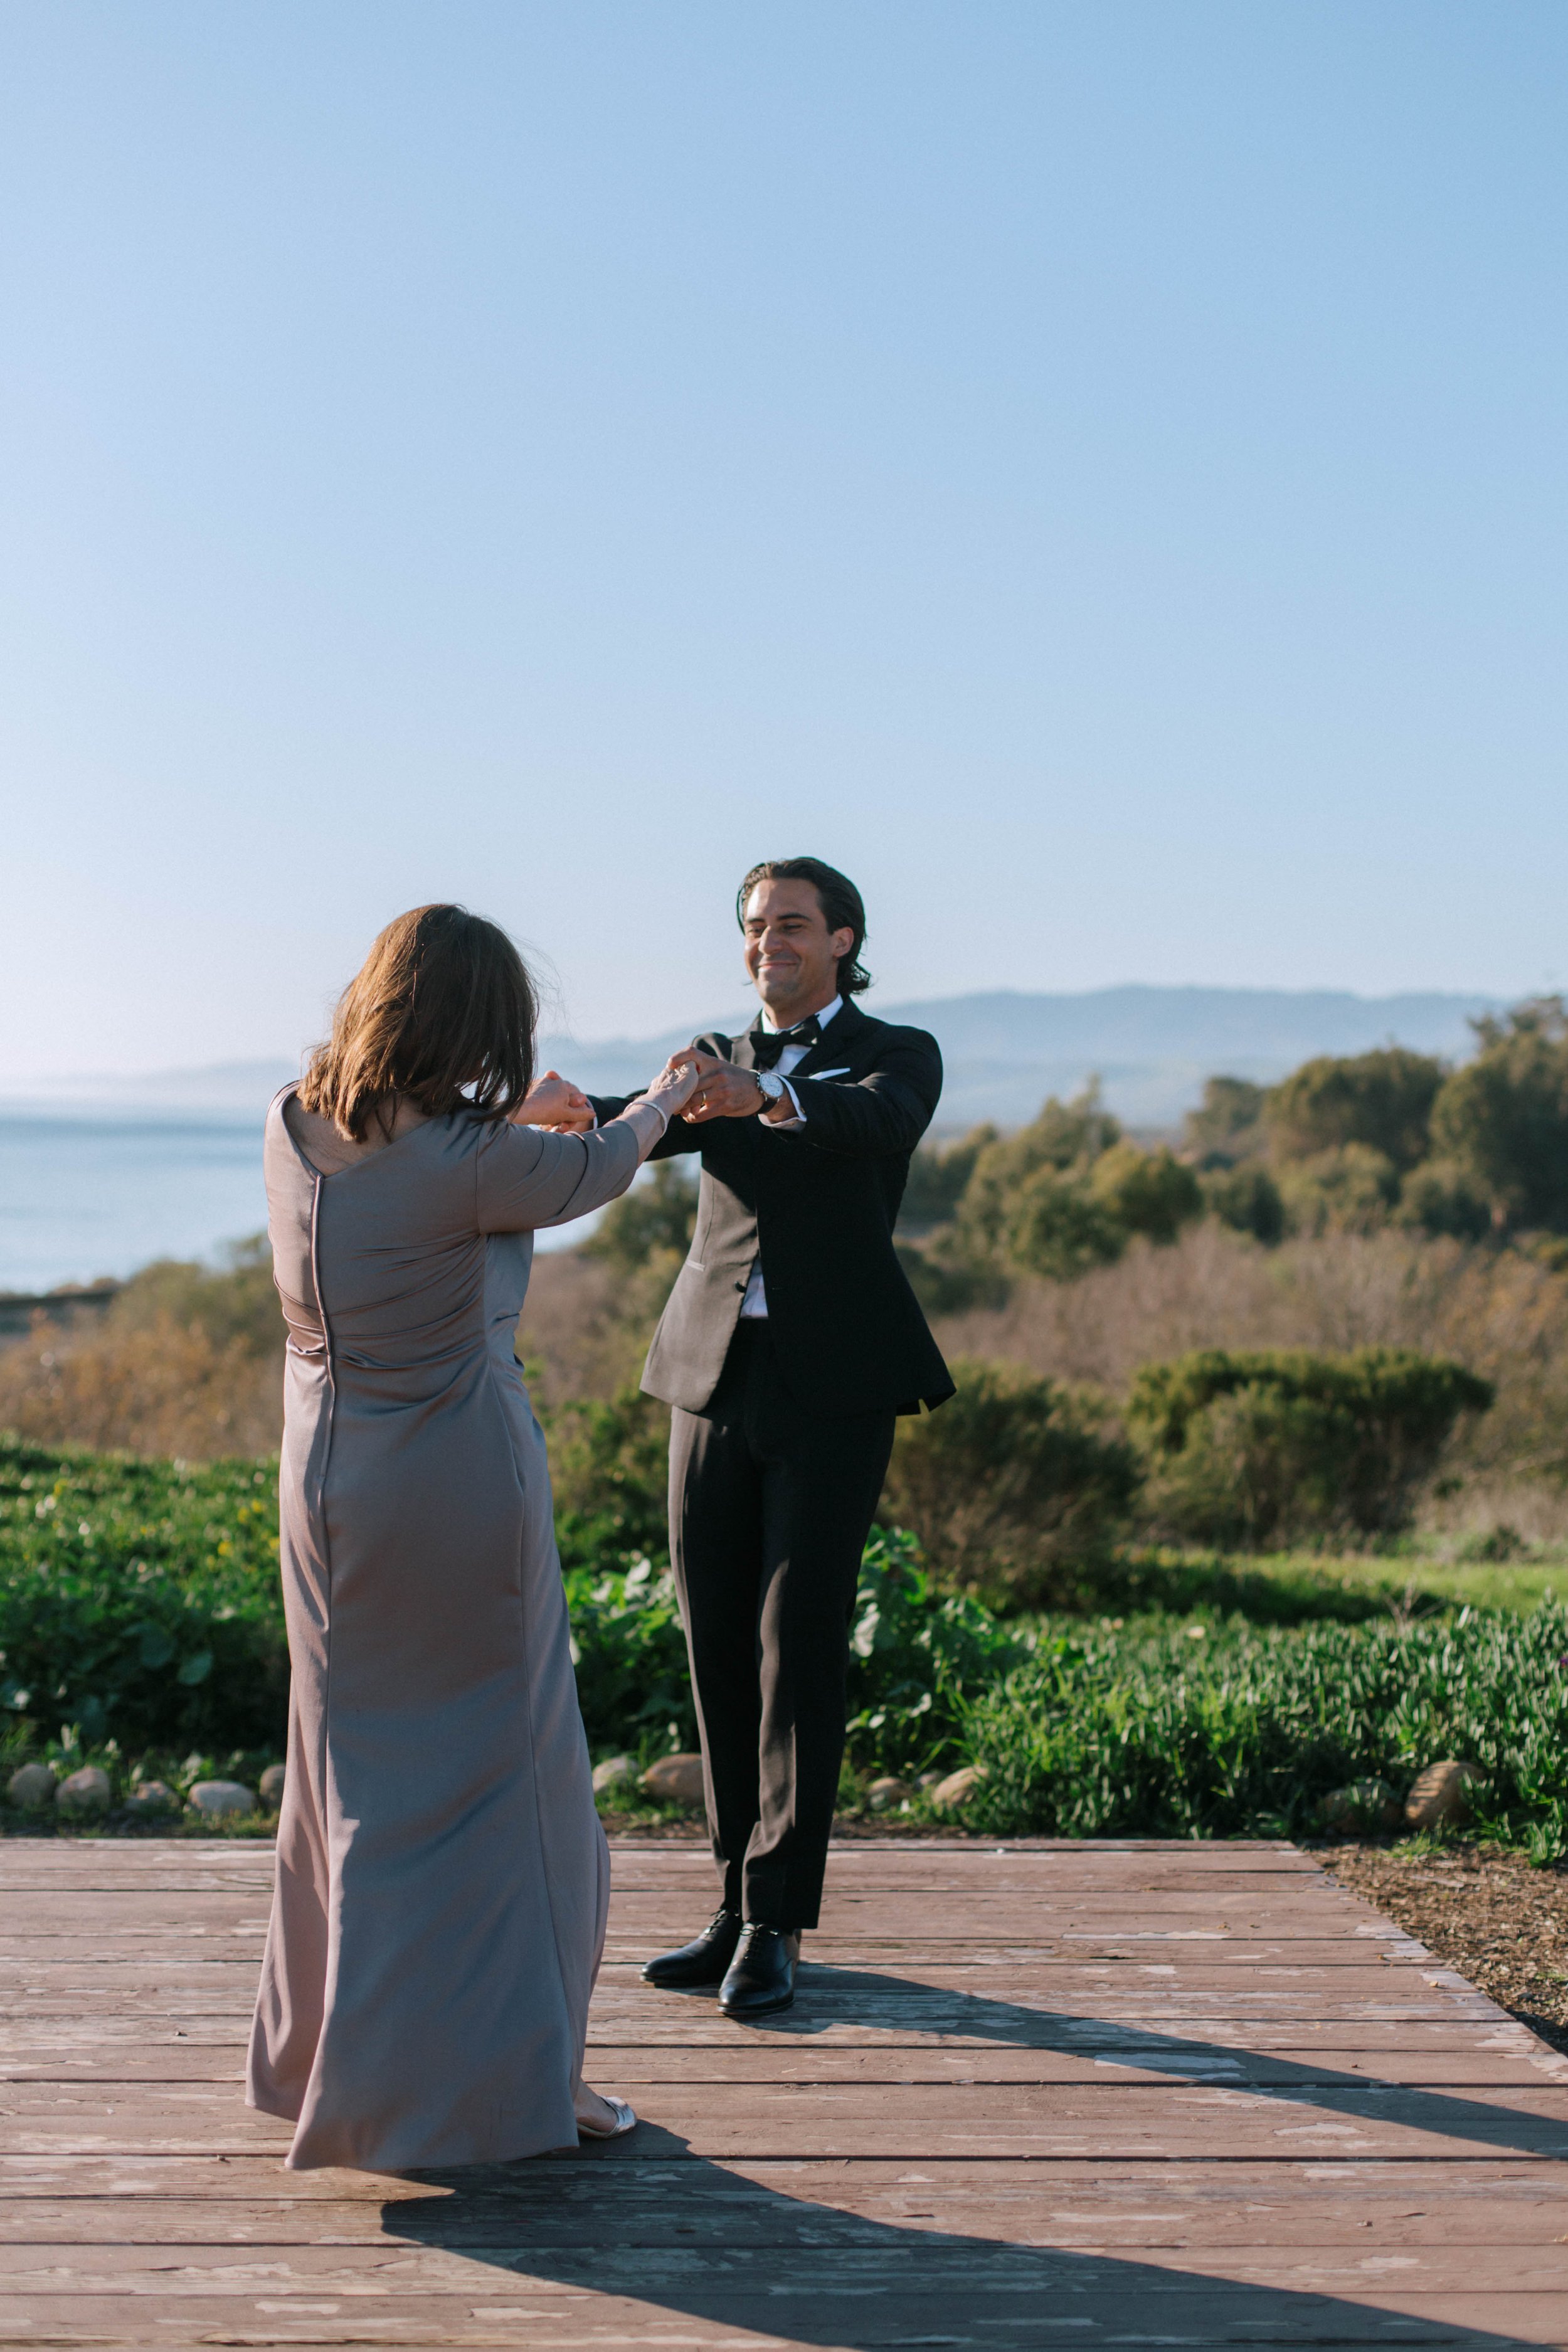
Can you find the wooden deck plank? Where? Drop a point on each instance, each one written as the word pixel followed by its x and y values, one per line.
pixel 784 2062
pixel 1130 2090
pixel 1128 2305
pixel 1145 2208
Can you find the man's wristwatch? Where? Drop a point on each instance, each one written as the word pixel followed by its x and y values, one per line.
pixel 770 1086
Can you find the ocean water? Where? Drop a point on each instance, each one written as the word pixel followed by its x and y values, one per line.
pixel 102 1192
pixel 83 1194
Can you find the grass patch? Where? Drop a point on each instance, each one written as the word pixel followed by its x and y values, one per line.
pixel 1296 1588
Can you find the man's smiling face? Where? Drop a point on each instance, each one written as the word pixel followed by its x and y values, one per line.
pixel 791 954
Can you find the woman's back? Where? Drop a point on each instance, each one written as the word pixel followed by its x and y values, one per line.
pixel 442 1877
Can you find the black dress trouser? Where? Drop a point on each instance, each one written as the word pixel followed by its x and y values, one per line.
pixel 769 1509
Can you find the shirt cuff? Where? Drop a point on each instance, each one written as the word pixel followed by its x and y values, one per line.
pixel 785 1126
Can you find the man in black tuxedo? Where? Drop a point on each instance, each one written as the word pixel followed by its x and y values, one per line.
pixel 791 1343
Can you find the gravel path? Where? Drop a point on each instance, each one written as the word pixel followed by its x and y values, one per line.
pixel 1481 1910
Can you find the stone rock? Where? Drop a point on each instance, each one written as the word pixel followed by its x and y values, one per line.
pixel 87 1791
pixel 153 1797
pixel 1360 1805
pixel 928 1779
pixel 1441 1793
pixel 32 1787
pixel 612 1772
pixel 958 1787
pixel 883 1795
pixel 217 1799
pixel 676 1779
pixel 271 1787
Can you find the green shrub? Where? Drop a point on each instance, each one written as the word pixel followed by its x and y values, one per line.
pixel 1244 1448
pixel 142 1599
pixel 1349 1190
pixel 937 1179
pixel 945 1277
pixel 139 1599
pixel 1227 1124
pixel 1246 1199
pixel 1015 1487
pixel 1149 1193
pixel 1503 1118
pixel 916 1653
pixel 236 1301
pixel 1058 1228
pixel 1444 1198
pixel 609 1468
pixel 1380 1101
pixel 1152 1732
pixel 658 1213
pixel 994 1219
pixel 630 1654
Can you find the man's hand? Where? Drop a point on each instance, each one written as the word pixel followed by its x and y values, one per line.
pixel 554 1102
pixel 722 1090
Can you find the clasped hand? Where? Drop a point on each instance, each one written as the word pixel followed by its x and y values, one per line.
pixel 554 1102
pixel 722 1091
pixel 698 1086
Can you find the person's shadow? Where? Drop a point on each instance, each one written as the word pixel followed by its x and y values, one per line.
pixel 647 2221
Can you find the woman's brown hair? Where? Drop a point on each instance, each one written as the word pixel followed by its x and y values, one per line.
pixel 442 1012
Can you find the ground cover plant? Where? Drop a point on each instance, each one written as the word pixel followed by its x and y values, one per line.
pixel 139 1601
pixel 141 1628
pixel 1217 1727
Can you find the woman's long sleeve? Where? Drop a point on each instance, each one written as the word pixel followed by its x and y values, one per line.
pixel 528 1177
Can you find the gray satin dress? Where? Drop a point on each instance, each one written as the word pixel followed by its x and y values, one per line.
pixel 442 1877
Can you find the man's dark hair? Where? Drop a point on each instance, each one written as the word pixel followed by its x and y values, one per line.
pixel 842 906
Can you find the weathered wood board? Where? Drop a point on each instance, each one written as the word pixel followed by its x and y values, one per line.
pixel 1122 2094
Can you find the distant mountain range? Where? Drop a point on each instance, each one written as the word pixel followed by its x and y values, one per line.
pixel 1005 1052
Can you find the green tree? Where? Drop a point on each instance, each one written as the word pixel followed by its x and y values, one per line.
pixel 1502 1119
pixel 609 1471
pixel 1441 1197
pixel 939 1177
pixel 237 1302
pixel 1064 1139
pixel 1150 1192
pixel 1246 1199
pixel 1057 1228
pixel 658 1213
pixel 1351 1189
pixel 1382 1100
pixel 1227 1124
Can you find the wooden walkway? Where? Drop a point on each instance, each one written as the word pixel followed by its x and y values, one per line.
pixel 1046 2094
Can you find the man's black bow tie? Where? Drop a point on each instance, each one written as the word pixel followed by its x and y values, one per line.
pixel 767 1044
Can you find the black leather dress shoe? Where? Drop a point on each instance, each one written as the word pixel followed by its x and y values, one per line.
pixel 760 1977
pixel 702 1961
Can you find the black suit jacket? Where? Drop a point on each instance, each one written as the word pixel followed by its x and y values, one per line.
pixel 817 1206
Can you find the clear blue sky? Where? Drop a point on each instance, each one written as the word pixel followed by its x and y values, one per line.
pixel 1096 472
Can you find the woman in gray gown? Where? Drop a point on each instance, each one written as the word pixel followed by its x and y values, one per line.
pixel 442 1876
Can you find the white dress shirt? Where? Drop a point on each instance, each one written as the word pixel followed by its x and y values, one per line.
pixel 754 1306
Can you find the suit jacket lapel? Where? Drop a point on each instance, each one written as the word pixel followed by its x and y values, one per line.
pixel 835 1046
pixel 741 1052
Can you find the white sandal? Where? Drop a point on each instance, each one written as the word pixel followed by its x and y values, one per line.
pixel 626 2120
